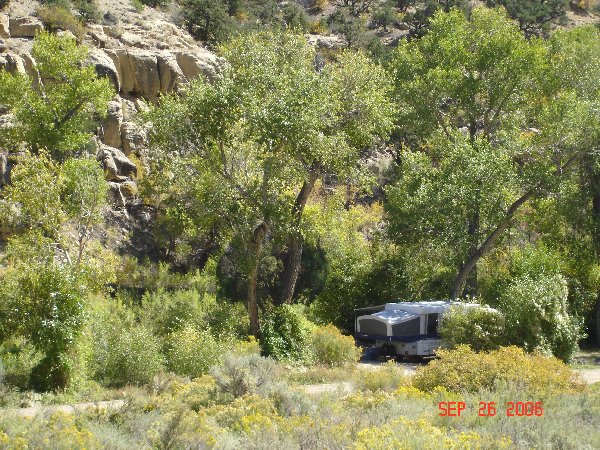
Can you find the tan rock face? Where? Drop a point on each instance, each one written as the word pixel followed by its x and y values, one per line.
pixel 4 26
pixel 12 63
pixel 117 167
pixel 112 125
pixel 134 139
pixel 105 67
pixel 25 27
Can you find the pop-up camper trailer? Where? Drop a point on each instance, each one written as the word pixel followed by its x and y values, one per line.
pixel 403 329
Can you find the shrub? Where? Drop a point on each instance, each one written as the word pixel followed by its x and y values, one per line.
pixel 165 312
pixel 208 20
pixel 294 16
pixel 533 15
pixel 4 4
pixel 155 3
pixel 18 358
pixel 331 348
pixel 463 369
pixel 57 18
pixel 133 357
pixel 50 311
pixel 88 10
pixel 124 352
pixel 482 328
pixel 285 334
pixel 246 374
pixel 388 377
pixel 191 352
pixel 537 317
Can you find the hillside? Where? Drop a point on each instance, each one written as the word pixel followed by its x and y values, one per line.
pixel 302 224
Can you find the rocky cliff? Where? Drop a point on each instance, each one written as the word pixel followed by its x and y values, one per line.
pixel 143 53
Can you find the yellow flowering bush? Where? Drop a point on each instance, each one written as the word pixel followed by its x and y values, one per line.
pixel 462 369
pixel 404 433
pixel 331 348
pixel 385 378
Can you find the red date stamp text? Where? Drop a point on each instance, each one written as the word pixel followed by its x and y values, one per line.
pixel 490 409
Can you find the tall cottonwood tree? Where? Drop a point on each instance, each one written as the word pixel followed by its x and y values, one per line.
pixel 254 142
pixel 484 130
pixel 57 109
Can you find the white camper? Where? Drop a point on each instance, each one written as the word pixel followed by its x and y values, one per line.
pixel 404 328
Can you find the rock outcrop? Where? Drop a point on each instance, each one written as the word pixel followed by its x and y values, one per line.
pixel 24 27
pixel 117 166
pixel 143 55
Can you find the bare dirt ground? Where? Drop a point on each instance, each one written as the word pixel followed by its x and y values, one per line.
pixel 79 407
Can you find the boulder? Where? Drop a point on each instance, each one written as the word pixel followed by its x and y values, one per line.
pixel 31 68
pixel 132 40
pixel 4 26
pixel 12 63
pixel 97 35
pixel 112 125
pixel 105 67
pixel 4 172
pixel 169 72
pixel 25 27
pixel 146 80
pixel 198 63
pixel 125 72
pixel 116 197
pixel 134 139
pixel 117 167
pixel 332 42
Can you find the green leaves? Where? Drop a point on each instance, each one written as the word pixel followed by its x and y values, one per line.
pixel 55 111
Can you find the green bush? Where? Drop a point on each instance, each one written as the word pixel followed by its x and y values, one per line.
pixel 482 328
pixel 208 20
pixel 56 17
pixel 165 312
pixel 245 374
pixel 285 334
pixel 133 357
pixel 533 15
pixel 124 352
pixel 330 347
pixel 156 3
pixel 88 10
pixel 388 377
pixel 17 360
pixel 462 369
pixel 537 316
pixel 192 353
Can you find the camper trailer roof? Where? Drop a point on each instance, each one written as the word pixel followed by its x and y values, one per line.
pixel 394 316
pixel 429 307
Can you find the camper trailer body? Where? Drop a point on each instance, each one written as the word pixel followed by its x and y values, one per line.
pixel 404 328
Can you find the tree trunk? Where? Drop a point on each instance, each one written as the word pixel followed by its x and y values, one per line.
pixel 471 282
pixel 293 257
pixel 598 321
pixel 594 179
pixel 251 298
pixel 473 259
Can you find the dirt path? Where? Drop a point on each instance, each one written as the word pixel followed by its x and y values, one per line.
pixel 590 376
pixel 79 407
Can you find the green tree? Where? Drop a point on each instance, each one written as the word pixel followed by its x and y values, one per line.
pixel 84 192
pixel 537 316
pixel 46 306
pixel 208 20
pixel 57 109
pixel 484 132
pixel 257 140
pixel 533 15
pixel 43 287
